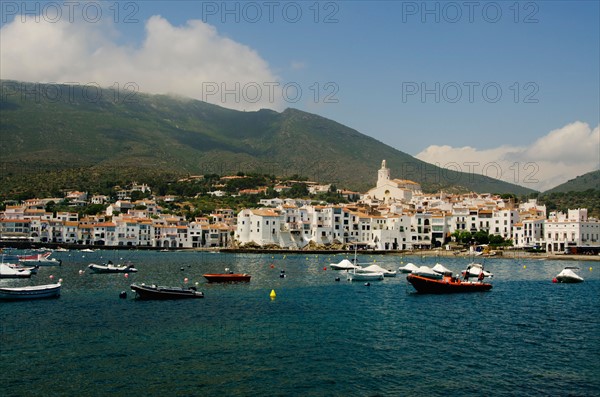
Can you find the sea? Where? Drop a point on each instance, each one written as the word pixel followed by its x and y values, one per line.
pixel 320 336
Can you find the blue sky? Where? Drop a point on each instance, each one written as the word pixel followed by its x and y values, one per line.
pixel 504 81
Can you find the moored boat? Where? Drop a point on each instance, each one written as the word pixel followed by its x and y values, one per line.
pixel 567 275
pixel 408 268
pixel 227 277
pixel 9 270
pixel 377 268
pixel 110 268
pixel 426 271
pixel 441 269
pixel 30 292
pixel 356 275
pixel 474 270
pixel 344 264
pixel 154 292
pixel 40 259
pixel 446 285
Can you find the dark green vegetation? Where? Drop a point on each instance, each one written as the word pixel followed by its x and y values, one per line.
pixel 481 237
pixel 56 137
pixel 589 181
pixel 562 201
pixel 580 192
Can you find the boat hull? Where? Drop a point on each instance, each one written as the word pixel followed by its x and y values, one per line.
pixel 227 278
pixel 569 280
pixel 10 271
pixel 568 276
pixel 31 292
pixel 364 276
pixel 40 260
pixel 145 292
pixel 111 269
pixel 426 285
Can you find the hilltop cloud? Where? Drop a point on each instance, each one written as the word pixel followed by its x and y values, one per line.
pixel 558 156
pixel 192 60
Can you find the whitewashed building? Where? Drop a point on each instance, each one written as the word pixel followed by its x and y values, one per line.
pixel 572 232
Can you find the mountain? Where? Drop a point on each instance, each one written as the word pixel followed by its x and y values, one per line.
pixel 584 182
pixel 60 136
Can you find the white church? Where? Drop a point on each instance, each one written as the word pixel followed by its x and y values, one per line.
pixel 392 190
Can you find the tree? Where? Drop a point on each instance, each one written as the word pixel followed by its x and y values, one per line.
pixel 94 209
pixel 271 193
pixel 496 239
pixel 298 190
pixel 481 237
pixel 50 206
pixel 462 236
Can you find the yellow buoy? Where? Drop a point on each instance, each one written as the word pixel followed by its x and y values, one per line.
pixel 524 266
pixel 272 294
pixel 590 268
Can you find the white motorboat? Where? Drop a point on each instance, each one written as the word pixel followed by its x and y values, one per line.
pixel 110 268
pixel 357 275
pixel 30 292
pixel 441 269
pixel 426 271
pixel 377 268
pixel 40 259
pixel 345 264
pixel 567 275
pixel 408 268
pixel 474 269
pixel 9 270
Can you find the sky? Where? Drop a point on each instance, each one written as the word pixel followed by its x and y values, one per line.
pixel 510 89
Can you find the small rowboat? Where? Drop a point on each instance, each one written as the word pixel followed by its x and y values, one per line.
pixel 30 292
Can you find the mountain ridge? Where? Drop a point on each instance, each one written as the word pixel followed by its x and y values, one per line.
pixel 589 180
pixel 153 135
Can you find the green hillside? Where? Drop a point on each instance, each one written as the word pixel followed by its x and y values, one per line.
pixel 584 182
pixel 580 192
pixel 56 137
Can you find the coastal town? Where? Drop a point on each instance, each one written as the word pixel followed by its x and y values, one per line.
pixel 395 215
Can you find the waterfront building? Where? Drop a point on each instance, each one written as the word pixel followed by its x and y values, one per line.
pixel 572 232
pixel 260 226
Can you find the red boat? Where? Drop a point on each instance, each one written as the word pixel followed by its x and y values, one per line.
pixel 227 277
pixel 446 285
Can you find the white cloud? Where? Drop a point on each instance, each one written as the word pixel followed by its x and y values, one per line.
pixel 298 65
pixel 560 155
pixel 191 60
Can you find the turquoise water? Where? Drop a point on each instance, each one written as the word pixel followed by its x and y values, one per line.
pixel 318 337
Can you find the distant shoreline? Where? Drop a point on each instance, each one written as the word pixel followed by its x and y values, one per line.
pixel 440 253
pixel 507 254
